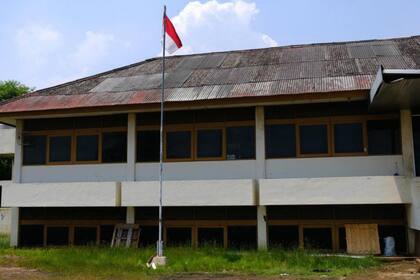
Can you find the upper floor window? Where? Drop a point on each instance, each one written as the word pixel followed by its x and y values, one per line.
pixel 75 140
pixel 384 137
pixel 348 138
pixel 198 135
pixel 313 139
pixel 280 140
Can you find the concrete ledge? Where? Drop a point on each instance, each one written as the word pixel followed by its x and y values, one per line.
pixel 189 193
pixel 335 190
pixel 61 194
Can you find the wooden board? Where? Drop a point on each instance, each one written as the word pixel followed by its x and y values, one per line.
pixel 126 235
pixel 362 239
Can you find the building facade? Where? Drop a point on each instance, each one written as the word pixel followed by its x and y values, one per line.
pixel 270 147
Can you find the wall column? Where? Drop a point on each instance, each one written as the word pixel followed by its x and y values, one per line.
pixel 131 215
pixel 407 143
pixel 131 147
pixel 262 227
pixel 16 178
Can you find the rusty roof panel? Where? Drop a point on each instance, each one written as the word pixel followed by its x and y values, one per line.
pixel 278 71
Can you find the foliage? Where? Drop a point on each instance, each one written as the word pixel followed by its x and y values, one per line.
pixel 121 263
pixel 10 89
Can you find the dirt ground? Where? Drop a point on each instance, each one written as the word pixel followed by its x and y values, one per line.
pixel 404 270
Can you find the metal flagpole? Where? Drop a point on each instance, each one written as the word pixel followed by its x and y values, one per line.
pixel 162 100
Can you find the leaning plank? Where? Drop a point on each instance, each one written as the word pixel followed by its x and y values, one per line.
pixel 126 235
pixel 362 239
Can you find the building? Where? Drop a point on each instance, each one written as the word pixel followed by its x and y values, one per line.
pixel 7 148
pixel 278 146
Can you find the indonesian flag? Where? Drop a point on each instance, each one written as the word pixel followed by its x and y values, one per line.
pixel 172 41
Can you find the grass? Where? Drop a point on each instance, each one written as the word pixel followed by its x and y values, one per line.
pixel 121 263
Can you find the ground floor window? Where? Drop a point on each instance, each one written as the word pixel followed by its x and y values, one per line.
pixel 242 237
pixel 178 236
pixel 210 236
pixel 286 237
pixel 85 236
pixel 318 238
pixel 57 236
pixel 31 235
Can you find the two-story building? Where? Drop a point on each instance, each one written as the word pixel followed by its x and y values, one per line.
pixel 266 147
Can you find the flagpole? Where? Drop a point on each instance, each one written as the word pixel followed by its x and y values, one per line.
pixel 162 100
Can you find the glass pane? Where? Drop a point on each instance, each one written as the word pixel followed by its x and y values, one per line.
pixel 383 137
pixel 114 147
pixel 348 138
pixel 209 143
pixel 178 144
pixel 148 146
pixel 240 142
pixel 313 139
pixel 60 148
pixel 87 148
pixel 280 140
pixel 34 149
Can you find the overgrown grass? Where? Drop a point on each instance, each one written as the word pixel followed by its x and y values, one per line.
pixel 105 263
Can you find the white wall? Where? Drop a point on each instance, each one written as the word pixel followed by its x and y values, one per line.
pixel 7 140
pixel 189 193
pixel 5 220
pixel 334 167
pixel 413 211
pixel 198 170
pixel 335 190
pixel 74 173
pixel 61 194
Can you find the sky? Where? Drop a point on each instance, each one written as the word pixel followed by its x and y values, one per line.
pixel 48 42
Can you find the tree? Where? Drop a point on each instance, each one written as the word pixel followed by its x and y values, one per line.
pixel 10 89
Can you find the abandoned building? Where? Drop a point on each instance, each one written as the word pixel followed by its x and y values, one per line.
pixel 283 146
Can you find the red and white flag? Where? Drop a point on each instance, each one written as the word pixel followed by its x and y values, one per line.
pixel 173 43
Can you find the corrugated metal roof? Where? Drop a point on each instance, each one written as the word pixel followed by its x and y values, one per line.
pixel 280 71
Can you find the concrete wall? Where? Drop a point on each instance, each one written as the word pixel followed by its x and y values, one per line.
pixel 413 210
pixel 335 190
pixel 5 220
pixel 7 140
pixel 62 194
pixel 74 173
pixel 189 193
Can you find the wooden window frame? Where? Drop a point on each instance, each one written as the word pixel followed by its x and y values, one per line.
pixel 178 128
pixel 113 129
pixel 314 121
pixel 209 126
pixel 88 132
pixel 58 134
pixel 281 122
pixel 350 120
pixel 241 124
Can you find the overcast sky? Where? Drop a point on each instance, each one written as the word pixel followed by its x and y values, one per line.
pixel 47 42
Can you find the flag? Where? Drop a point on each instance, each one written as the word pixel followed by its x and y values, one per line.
pixel 173 43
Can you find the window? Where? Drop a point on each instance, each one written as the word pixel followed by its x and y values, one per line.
pixel 178 236
pixel 348 138
pixel 59 149
pixel 34 149
pixel 280 140
pixel 384 137
pixel 209 143
pixel 178 144
pixel 114 147
pixel 240 142
pixel 87 148
pixel 313 139
pixel 148 146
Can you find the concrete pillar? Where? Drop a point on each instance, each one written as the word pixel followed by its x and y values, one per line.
pixel 14 226
pixel 260 142
pixel 131 147
pixel 407 145
pixel 16 178
pixel 411 241
pixel 131 215
pixel 262 228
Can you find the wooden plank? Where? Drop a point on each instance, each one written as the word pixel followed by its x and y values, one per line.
pixel 127 235
pixel 362 239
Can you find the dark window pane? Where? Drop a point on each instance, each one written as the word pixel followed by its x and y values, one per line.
pixel 240 142
pixel 148 146
pixel 87 148
pixel 178 144
pixel 317 238
pixel 284 236
pixel 85 236
pixel 313 139
pixel 280 140
pixel 210 237
pixel 114 147
pixel 242 237
pixel 31 235
pixel 57 236
pixel 384 137
pixel 209 143
pixel 34 149
pixel 106 233
pixel 60 148
pixel 148 236
pixel 348 138
pixel 178 236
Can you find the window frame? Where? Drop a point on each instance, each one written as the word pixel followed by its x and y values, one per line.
pixel 88 132
pixel 240 124
pixel 282 122
pixel 314 121
pixel 178 128
pixel 58 133
pixel 209 126
pixel 350 120
pixel 112 129
pixel 140 128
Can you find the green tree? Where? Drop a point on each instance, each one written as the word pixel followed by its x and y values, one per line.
pixel 10 89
